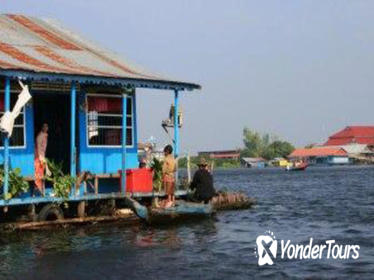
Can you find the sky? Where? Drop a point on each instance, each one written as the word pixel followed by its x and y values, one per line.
pixel 300 70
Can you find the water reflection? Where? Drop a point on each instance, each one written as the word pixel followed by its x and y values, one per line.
pixel 294 206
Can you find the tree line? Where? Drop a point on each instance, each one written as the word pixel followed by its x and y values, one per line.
pixel 256 144
pixel 264 145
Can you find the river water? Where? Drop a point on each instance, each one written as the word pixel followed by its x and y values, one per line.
pixel 331 203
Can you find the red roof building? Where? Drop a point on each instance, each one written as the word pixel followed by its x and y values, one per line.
pixel 228 154
pixel 352 134
pixel 318 152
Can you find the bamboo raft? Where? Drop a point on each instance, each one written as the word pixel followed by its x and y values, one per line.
pixel 232 201
pixel 128 218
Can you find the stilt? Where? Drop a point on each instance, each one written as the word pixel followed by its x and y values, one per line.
pixel 31 212
pixel 81 209
pixel 96 185
pixel 155 202
pixel 112 203
pixel 189 168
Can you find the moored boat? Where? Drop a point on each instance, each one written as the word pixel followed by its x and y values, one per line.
pixel 300 167
pixel 182 210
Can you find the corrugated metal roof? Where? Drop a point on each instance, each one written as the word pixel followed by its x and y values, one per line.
pixel 318 152
pixel 44 46
pixel 253 159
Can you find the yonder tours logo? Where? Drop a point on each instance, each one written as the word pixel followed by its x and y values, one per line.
pixel 267 249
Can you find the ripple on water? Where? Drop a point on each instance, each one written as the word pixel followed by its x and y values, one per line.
pixel 322 203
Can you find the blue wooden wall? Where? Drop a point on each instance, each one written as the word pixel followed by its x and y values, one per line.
pixel 23 157
pixel 93 159
pixel 107 159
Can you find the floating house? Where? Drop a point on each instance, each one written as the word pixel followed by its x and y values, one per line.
pixel 86 94
pixel 280 162
pixel 253 162
pixel 321 155
pixel 359 153
pixel 357 141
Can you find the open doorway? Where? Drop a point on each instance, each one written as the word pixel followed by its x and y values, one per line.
pixel 54 109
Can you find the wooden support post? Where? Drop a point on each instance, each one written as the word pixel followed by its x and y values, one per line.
pixel 81 211
pixel 112 205
pixel 96 185
pixel 176 133
pixel 31 212
pixel 124 138
pixel 73 169
pixel 189 168
pixel 6 142
pixel 176 124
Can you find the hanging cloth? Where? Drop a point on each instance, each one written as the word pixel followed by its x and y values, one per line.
pixel 7 121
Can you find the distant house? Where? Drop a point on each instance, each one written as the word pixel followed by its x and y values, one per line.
pixel 361 152
pixel 321 155
pixel 280 162
pixel 253 162
pixel 352 135
pixel 357 141
pixel 226 154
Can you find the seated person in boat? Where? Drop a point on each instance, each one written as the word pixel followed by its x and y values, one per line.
pixel 168 180
pixel 202 183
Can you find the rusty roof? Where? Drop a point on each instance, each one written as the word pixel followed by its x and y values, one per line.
pixel 33 45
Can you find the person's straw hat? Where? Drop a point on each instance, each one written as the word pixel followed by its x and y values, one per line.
pixel 202 162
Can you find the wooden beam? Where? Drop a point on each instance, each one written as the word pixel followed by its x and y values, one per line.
pixel 128 218
pixel 96 185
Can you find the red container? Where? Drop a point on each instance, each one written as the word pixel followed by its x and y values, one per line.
pixel 138 180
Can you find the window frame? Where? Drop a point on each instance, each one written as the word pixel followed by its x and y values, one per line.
pixel 131 97
pixel 23 112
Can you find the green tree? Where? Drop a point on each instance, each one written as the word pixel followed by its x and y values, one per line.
pixel 253 143
pixel 266 146
pixel 278 149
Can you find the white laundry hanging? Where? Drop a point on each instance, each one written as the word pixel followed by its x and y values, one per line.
pixel 7 120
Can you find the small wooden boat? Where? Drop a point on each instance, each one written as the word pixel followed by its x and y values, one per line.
pixel 300 167
pixel 181 210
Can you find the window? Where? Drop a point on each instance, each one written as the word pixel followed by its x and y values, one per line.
pixel 104 120
pixel 18 134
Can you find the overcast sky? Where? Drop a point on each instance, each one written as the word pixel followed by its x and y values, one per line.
pixel 298 69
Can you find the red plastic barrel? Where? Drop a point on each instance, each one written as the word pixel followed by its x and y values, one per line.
pixel 138 180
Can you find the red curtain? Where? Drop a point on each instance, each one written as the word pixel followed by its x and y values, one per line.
pixel 105 104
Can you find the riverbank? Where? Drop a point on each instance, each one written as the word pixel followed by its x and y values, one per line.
pixel 223 164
